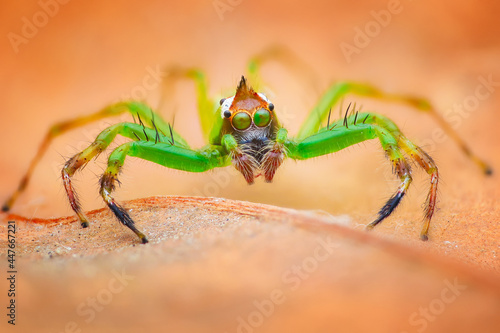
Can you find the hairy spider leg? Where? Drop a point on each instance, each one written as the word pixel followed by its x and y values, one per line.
pixel 360 127
pixel 420 157
pixel 167 155
pixel 103 140
pixel 135 108
pixel 426 162
pixel 339 90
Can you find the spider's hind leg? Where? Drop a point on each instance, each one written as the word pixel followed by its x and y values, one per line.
pixel 284 56
pixel 206 105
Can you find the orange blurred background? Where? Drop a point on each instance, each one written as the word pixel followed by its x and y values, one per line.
pixel 90 54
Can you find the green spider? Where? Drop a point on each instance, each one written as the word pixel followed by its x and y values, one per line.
pixel 244 131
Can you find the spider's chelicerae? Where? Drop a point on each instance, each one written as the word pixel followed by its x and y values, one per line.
pixel 244 131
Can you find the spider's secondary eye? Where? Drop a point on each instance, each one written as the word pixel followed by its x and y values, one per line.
pixel 241 121
pixel 262 118
pixel 271 106
pixel 222 101
pixel 227 114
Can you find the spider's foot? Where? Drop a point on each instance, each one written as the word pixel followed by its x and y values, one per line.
pixel 143 238
pixel 488 171
pixel 8 204
pixel 370 226
pixel 424 234
pixel 388 208
pixel 126 220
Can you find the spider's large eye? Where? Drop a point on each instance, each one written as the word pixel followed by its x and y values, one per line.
pixel 262 118
pixel 241 121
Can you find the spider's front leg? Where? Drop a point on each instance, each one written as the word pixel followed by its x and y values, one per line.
pixel 338 91
pixel 167 151
pixel 366 126
pixel 137 109
pixel 103 140
pixel 165 154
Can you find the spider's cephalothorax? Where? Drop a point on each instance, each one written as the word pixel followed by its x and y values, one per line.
pixel 250 118
pixel 244 131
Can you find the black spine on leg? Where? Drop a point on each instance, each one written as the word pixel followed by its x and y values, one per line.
pixel 388 208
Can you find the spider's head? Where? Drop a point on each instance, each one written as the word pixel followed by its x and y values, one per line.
pixel 248 114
